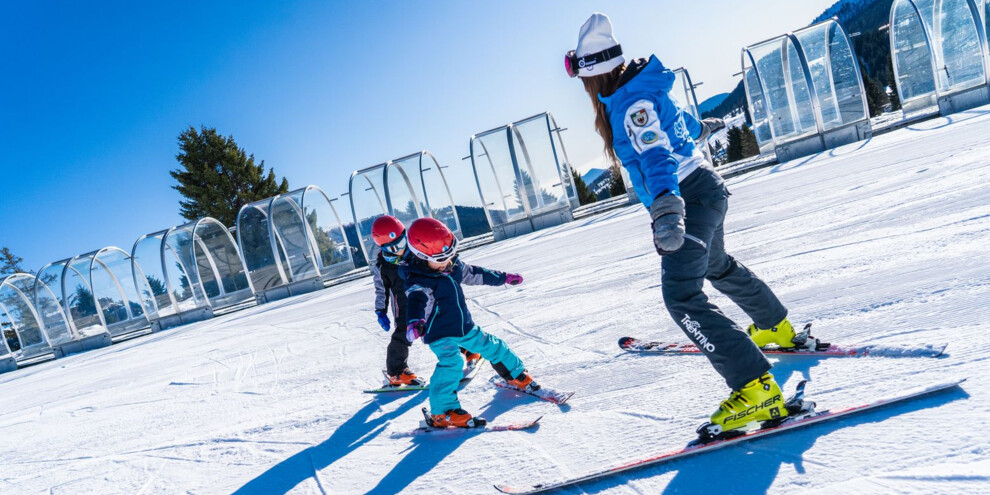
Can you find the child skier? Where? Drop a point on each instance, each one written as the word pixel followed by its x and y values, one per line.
pixel 438 312
pixel 653 138
pixel 389 234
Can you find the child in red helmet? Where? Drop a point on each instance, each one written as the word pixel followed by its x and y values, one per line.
pixel 438 312
pixel 389 234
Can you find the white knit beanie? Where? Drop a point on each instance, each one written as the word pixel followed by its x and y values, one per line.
pixel 595 36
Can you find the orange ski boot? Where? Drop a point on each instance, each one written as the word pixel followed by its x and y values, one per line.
pixel 405 378
pixel 470 357
pixel 525 382
pixel 455 418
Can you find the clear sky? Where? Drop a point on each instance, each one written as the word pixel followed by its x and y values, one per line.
pixel 94 94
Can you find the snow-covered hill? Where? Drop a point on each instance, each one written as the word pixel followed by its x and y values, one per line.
pixel 883 241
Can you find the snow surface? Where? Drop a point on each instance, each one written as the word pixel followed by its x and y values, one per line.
pixel 885 241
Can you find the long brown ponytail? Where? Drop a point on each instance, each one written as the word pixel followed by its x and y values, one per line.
pixel 605 84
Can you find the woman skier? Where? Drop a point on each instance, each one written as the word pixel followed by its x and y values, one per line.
pixel 646 131
pixel 438 313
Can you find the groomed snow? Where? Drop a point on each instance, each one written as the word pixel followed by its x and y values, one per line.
pixel 885 241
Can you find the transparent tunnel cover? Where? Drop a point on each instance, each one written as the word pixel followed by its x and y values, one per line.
pixel 368 202
pixel 496 176
pixel 912 54
pixel 331 245
pixel 286 214
pixel 255 241
pixel 538 164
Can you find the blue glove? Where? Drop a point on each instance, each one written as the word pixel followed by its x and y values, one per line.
pixel 383 319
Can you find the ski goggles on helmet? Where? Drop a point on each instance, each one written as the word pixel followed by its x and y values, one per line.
pixel 396 246
pixel 574 63
pixel 443 257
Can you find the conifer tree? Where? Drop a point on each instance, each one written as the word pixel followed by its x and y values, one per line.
pixel 10 263
pixel 217 177
pixel 584 193
pixel 749 145
pixel 616 187
pixel 895 99
pixel 735 147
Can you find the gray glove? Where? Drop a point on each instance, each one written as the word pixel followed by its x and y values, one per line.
pixel 708 126
pixel 667 213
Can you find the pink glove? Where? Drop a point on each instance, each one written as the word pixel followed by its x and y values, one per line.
pixel 415 330
pixel 513 278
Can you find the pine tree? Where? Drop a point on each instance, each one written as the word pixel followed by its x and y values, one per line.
pixel 217 177
pixel 876 98
pixel 895 99
pixel 11 263
pixel 750 147
pixel 735 148
pixel 585 194
pixel 616 187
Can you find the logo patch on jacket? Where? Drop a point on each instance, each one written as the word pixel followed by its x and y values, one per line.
pixel 649 137
pixel 640 118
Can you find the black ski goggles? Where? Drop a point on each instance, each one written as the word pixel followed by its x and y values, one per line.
pixel 574 63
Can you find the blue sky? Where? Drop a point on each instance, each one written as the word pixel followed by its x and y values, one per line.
pixel 94 94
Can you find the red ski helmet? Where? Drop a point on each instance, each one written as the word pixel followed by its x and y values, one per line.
pixel 389 233
pixel 431 240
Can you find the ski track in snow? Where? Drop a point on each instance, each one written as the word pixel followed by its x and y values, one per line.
pixel 877 242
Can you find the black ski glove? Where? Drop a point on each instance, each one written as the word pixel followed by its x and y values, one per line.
pixel 667 213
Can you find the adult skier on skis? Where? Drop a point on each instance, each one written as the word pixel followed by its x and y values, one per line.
pixel 438 313
pixel 645 130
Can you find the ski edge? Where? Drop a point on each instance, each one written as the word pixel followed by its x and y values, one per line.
pixel 488 428
pixel 556 397
pixel 834 350
pixel 698 448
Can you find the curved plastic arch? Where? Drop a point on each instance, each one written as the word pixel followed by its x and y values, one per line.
pixel 759 108
pixel 116 298
pixel 911 95
pixel 218 264
pixel 410 195
pixel 161 264
pixel 366 208
pixel 804 84
pixel 19 316
pixel 527 174
pixel 440 199
pixel 261 253
pixel 326 233
pixel 288 225
pixel 79 303
pixel 955 35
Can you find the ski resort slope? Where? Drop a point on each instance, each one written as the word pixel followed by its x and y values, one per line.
pixel 885 241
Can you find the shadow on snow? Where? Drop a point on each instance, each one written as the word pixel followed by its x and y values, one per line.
pixel 350 435
pixel 752 467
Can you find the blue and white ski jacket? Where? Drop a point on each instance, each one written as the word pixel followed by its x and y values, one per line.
pixel 651 134
pixel 438 297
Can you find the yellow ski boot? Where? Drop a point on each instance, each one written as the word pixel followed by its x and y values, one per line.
pixel 780 335
pixel 759 400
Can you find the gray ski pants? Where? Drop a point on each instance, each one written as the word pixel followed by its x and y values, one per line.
pixel 730 350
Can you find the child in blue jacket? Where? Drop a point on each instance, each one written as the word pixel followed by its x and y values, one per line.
pixel 438 313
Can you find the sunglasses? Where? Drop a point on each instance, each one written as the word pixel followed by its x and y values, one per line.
pixel 574 63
